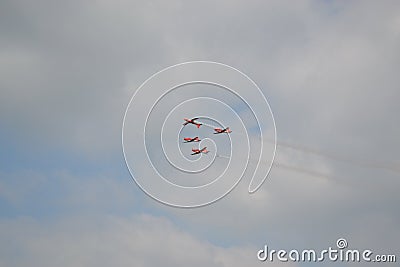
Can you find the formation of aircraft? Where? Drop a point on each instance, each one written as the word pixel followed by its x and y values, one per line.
pixel 204 150
pixel 220 131
pixel 192 121
pixel 198 151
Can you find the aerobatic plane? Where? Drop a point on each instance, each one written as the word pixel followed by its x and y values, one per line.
pixel 192 121
pixel 189 140
pixel 219 130
pixel 198 151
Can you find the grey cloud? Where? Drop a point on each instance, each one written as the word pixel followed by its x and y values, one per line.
pixel 141 240
pixel 328 69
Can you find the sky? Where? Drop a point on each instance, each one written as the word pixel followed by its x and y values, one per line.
pixel 68 70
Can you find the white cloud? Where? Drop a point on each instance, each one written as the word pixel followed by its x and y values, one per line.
pixel 140 240
pixel 329 70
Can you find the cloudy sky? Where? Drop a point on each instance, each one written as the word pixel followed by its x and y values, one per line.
pixel 68 70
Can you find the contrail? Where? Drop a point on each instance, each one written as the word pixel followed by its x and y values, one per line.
pixel 353 161
pixel 293 168
pixel 366 164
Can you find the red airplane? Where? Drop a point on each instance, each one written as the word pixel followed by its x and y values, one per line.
pixel 198 151
pixel 219 130
pixel 192 121
pixel 189 140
